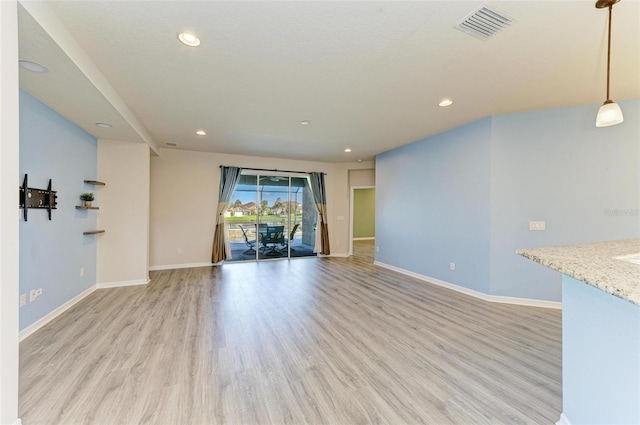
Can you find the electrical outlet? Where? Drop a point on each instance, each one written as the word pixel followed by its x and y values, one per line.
pixel 81 271
pixel 32 295
pixel 377 249
pixel 452 266
pixel 537 225
pixel 23 300
pixel 178 251
pixel 38 292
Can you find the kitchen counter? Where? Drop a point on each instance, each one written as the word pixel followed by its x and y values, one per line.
pixel 609 266
pixel 600 329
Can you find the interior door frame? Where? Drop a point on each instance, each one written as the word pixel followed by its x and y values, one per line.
pixel 353 190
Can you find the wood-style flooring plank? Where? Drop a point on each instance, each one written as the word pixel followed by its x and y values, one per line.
pixel 314 341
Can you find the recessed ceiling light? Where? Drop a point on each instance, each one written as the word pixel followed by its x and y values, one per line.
pixel 103 125
pixel 305 122
pixel 201 133
pixel 33 67
pixel 445 102
pixel 347 150
pixel 359 160
pixel 189 39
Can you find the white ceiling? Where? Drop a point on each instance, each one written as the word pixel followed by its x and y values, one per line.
pixel 368 75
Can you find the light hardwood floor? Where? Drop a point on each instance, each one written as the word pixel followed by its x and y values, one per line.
pixel 314 341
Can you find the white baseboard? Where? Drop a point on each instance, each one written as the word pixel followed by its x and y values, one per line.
pixel 529 302
pixel 18 422
pixel 486 297
pixel 364 239
pixel 122 283
pixel 563 420
pixel 180 266
pixel 55 313
pixel 344 255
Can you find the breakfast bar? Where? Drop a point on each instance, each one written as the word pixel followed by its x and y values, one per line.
pixel 600 329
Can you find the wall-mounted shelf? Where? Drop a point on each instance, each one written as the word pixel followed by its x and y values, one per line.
pixel 94 182
pixel 82 207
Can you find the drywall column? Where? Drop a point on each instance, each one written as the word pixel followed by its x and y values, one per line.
pixel 9 160
pixel 123 250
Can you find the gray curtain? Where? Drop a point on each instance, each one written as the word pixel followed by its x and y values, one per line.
pixel 320 198
pixel 229 177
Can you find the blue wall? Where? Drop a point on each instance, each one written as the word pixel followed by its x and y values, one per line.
pixel 52 252
pixel 557 166
pixel 471 192
pixel 432 206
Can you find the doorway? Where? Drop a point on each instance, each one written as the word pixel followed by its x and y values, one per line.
pixel 363 211
pixel 272 216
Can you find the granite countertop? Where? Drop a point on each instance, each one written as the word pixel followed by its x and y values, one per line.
pixel 596 264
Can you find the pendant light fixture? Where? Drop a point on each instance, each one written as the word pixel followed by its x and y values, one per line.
pixel 610 112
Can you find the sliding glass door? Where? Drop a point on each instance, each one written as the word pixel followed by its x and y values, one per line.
pixel 272 217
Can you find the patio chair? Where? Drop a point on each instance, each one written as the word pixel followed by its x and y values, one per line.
pixel 251 243
pixel 292 235
pixel 274 237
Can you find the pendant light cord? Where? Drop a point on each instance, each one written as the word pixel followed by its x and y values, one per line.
pixel 609 52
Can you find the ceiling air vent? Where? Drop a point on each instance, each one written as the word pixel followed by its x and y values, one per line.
pixel 171 144
pixel 484 22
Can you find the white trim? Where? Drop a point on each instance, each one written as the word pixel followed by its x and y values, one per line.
pixel 55 313
pixel 486 297
pixel 180 266
pixel 353 189
pixel 344 255
pixel 122 283
pixel 363 239
pixel 563 420
pixel 529 302
pixel 18 422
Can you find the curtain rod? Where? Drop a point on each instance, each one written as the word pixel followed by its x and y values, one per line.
pixel 274 170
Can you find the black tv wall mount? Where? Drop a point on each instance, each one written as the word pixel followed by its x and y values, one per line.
pixel 31 197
